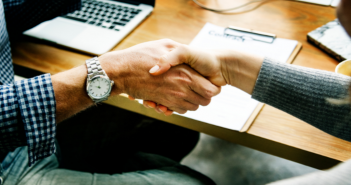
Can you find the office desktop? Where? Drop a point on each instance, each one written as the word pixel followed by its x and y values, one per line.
pixel 322 150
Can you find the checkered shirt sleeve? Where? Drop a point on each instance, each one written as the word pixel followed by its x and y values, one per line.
pixel 9 135
pixel 29 103
pixel 27 108
pixel 37 105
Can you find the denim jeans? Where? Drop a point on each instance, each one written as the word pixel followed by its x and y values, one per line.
pixel 160 170
pixel 108 145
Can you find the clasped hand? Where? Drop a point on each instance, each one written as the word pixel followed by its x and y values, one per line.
pixel 179 89
pixel 208 64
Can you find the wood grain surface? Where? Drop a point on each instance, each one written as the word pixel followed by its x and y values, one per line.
pixel 273 131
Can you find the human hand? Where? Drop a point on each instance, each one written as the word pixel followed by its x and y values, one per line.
pixel 159 108
pixel 180 89
pixel 221 67
pixel 207 63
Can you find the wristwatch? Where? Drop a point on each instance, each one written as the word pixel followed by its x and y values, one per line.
pixel 99 85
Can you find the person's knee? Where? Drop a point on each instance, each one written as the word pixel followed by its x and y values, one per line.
pixel 187 176
pixel 171 172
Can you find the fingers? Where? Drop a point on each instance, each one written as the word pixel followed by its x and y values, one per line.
pixel 187 89
pixel 207 63
pixel 180 111
pixel 175 57
pixel 204 88
pixel 163 109
pixel 168 112
pixel 158 108
pixel 196 98
pixel 149 104
pixel 145 104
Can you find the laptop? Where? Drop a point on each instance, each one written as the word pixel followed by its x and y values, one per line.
pixel 97 27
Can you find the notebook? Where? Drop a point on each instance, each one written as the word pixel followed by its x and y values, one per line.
pixel 97 27
pixel 333 39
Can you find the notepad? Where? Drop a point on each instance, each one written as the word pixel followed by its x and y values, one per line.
pixel 333 39
pixel 333 3
pixel 232 108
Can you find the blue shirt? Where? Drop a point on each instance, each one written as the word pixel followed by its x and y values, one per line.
pixel 27 107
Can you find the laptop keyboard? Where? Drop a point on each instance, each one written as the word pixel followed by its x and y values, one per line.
pixel 105 15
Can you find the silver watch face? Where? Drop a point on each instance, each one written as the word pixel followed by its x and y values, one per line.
pixel 99 88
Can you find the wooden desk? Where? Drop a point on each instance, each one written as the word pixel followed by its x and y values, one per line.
pixel 273 131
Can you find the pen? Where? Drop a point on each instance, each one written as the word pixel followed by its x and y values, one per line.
pixel 252 31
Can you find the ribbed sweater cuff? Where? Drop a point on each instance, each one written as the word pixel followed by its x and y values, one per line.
pixel 303 92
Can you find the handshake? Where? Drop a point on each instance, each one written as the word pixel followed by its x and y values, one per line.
pixel 170 76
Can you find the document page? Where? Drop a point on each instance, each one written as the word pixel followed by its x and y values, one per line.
pixel 232 107
pixel 333 3
pixel 320 2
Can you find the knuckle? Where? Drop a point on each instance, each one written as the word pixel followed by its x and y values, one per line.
pixel 163 58
pixel 178 94
pixel 217 91
pixel 168 42
pixel 194 108
pixel 165 102
pixel 206 102
pixel 208 94
pixel 184 77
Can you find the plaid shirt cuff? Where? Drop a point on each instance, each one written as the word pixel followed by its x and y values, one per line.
pixel 9 127
pixel 37 106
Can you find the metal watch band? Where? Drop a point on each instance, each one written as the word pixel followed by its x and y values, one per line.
pixel 94 67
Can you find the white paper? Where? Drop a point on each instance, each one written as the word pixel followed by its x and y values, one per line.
pixel 335 3
pixel 320 2
pixel 232 107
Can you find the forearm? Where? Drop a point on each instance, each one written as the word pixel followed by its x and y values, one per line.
pixel 303 93
pixel 181 88
pixel 240 69
pixel 29 113
pixel 70 94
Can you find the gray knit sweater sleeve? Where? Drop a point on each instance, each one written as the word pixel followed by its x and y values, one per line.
pixel 302 92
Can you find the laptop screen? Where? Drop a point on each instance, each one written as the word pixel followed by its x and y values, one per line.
pixel 149 2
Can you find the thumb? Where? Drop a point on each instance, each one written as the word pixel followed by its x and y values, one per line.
pixel 175 57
